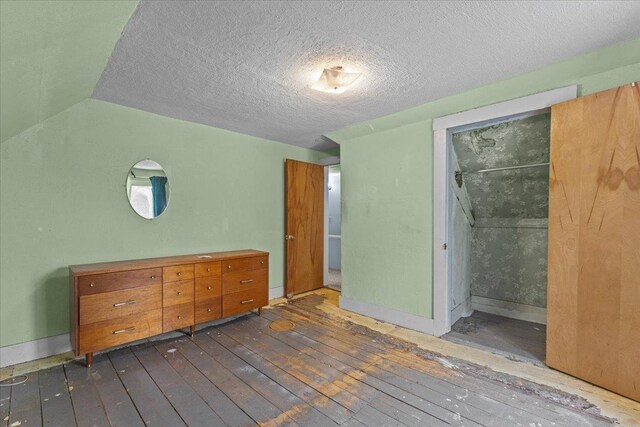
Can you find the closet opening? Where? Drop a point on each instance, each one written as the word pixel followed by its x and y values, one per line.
pixel 333 237
pixel 497 216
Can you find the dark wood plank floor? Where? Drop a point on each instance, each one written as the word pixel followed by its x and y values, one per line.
pixel 512 337
pixel 323 372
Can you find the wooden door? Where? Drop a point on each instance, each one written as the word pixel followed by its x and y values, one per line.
pixel 593 301
pixel 304 194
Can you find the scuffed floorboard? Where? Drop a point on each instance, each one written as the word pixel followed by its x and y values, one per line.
pixel 326 371
pixel 611 405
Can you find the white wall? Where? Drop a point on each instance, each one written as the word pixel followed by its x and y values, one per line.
pixel 334 218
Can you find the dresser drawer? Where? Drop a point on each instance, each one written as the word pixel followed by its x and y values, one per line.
pixel 177 272
pixel 242 301
pixel 98 283
pixel 258 262
pixel 208 287
pixel 243 264
pixel 109 333
pixel 177 317
pixel 245 280
pixel 208 309
pixel 110 305
pixel 205 269
pixel 175 293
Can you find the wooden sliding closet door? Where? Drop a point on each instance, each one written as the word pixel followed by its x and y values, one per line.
pixel 593 301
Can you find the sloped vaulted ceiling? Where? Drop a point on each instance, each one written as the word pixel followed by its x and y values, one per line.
pixel 248 66
pixel 52 54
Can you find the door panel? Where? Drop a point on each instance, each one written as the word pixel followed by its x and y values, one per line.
pixel 304 226
pixel 593 319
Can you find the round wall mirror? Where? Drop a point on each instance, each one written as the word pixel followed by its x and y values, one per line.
pixel 148 189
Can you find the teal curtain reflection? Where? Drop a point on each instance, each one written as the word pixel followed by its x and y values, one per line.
pixel 158 188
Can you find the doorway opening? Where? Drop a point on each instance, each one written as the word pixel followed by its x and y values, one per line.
pixel 490 225
pixel 333 269
pixel 498 215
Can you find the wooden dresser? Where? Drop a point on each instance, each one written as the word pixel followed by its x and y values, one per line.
pixel 114 303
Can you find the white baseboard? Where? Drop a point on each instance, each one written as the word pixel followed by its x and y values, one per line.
pixel 33 350
pixel 276 292
pixel 400 318
pixel 513 310
pixel 462 310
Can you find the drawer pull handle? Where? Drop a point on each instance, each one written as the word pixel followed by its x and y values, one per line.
pixel 209 310
pixel 120 304
pixel 246 301
pixel 261 262
pixel 179 293
pixel 179 317
pixel 122 331
pixel 209 287
pixel 208 268
pixel 153 277
pixel 92 284
pixel 228 266
pixel 244 282
pixel 179 273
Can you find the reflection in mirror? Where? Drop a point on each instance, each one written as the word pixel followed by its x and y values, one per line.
pixel 148 189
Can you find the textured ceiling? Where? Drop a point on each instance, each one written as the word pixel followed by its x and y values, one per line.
pixel 518 193
pixel 52 54
pixel 247 66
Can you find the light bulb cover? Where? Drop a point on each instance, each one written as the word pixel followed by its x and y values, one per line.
pixel 335 80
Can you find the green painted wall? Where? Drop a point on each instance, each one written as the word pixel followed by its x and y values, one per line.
pixel 62 201
pixel 387 179
pixel 52 54
pixel 386 219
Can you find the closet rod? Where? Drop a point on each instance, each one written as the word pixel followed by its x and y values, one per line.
pixel 505 169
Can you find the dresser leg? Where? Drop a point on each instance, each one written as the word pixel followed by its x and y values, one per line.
pixel 89 359
pixel 192 330
pixel 259 311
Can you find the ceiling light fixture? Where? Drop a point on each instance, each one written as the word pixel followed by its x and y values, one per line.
pixel 335 80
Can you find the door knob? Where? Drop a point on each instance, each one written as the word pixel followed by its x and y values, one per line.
pixel 289 237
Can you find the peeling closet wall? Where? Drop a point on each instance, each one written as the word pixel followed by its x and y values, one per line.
pixel 509 238
pixel 460 289
pixel 460 238
pixel 509 262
